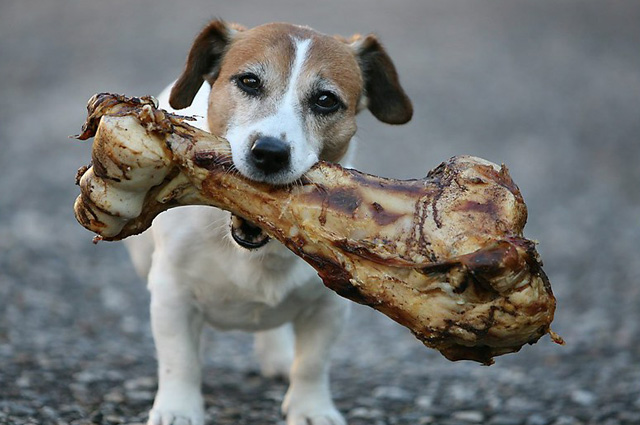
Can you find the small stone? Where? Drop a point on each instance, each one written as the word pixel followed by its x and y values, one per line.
pixel 231 412
pixel 144 382
pixel 130 325
pixel 71 408
pixel 6 350
pixel 424 401
pixel 113 375
pixel 96 417
pixel 365 413
pixel 583 397
pixel 274 395
pixel 212 411
pixel 439 411
pixel 537 419
pixel 425 420
pixel 494 402
pixel 506 420
pixel 629 417
pixel 23 381
pixel 78 388
pixel 567 420
pixel 140 396
pixel 461 393
pixel 19 409
pixel 114 419
pixel 392 393
pixel 82 421
pixel 48 412
pixel 472 416
pixel 114 396
pixel 520 404
pixel 366 401
pixel 86 377
pixel 410 417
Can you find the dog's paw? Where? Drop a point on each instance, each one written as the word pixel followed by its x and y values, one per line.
pixel 178 410
pixel 325 418
pixel 165 417
pixel 307 408
pixel 330 417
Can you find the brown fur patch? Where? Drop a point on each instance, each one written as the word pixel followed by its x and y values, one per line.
pixel 387 101
pixel 204 58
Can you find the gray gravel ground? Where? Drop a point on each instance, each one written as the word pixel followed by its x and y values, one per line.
pixel 549 87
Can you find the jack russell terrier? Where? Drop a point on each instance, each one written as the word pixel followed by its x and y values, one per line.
pixel 284 96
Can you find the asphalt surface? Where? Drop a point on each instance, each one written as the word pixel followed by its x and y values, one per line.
pixel 550 88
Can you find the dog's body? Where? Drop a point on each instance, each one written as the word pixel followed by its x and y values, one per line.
pixel 285 97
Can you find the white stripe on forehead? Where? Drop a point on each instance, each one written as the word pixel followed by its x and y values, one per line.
pixel 302 47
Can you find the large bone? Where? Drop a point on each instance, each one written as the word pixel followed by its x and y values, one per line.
pixel 443 256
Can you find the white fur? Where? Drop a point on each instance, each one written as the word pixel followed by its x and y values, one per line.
pixel 196 274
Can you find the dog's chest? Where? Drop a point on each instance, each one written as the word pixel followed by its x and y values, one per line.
pixel 249 316
pixel 246 296
pixel 229 305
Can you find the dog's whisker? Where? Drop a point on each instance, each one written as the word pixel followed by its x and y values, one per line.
pixel 232 170
pixel 217 224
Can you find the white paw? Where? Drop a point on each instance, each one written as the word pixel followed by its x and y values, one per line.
pixel 168 417
pixel 179 410
pixel 325 418
pixel 311 408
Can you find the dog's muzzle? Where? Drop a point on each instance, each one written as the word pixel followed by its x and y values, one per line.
pixel 246 234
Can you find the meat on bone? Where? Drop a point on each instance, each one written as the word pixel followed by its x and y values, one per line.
pixel 444 255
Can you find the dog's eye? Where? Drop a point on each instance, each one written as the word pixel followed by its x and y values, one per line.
pixel 249 83
pixel 325 102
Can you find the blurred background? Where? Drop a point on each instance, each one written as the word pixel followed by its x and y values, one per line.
pixel 551 88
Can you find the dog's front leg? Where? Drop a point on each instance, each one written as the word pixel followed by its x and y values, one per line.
pixel 177 325
pixel 308 400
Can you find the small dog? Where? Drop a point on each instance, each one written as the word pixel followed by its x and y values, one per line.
pixel 284 96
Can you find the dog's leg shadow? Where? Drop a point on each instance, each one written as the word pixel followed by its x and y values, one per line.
pixel 275 349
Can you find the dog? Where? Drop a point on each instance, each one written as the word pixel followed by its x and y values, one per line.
pixel 285 97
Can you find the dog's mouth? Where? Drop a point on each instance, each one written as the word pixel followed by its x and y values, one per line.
pixel 246 234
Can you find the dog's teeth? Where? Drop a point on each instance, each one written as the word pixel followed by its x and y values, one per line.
pixel 246 234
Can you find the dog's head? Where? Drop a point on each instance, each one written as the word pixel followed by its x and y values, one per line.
pixel 286 96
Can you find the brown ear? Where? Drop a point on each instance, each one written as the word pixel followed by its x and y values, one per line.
pixel 203 62
pixel 386 99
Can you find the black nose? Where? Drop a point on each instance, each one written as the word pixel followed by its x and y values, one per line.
pixel 270 155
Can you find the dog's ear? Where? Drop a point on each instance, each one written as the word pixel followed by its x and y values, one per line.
pixel 383 93
pixel 203 62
